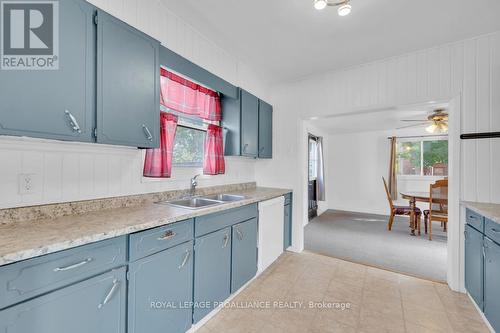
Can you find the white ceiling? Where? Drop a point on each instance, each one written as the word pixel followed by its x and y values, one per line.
pixel 289 39
pixel 379 120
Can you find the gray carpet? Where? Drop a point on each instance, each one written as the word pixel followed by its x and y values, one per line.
pixel 364 238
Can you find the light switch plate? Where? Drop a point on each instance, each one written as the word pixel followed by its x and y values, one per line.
pixel 28 183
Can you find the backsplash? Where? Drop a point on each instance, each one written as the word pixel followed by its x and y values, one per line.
pixel 66 172
pixel 52 211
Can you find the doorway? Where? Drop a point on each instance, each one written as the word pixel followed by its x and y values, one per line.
pixel 312 197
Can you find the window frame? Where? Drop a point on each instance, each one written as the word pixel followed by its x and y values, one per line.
pixel 421 140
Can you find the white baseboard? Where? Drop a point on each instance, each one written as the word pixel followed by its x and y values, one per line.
pixel 481 313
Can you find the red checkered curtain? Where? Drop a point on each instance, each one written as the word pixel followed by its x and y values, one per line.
pixel 213 162
pixel 182 95
pixel 158 162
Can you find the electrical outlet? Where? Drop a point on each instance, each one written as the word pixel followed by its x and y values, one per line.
pixel 28 183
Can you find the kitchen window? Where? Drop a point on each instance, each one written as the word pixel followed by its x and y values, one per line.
pixel 423 158
pixel 189 143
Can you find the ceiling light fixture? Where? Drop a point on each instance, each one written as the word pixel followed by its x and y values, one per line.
pixel 344 6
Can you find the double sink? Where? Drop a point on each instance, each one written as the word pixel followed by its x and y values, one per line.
pixel 204 201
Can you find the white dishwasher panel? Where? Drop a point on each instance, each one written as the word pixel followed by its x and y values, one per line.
pixel 271 224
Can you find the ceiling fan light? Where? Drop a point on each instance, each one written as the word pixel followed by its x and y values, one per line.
pixel 344 10
pixel 320 4
pixel 431 129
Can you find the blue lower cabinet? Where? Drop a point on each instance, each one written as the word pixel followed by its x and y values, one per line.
pixel 95 305
pixel 491 283
pixel 474 262
pixel 244 253
pixel 287 237
pixel 212 271
pixel 161 290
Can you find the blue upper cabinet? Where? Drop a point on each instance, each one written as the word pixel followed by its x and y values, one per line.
pixel 244 253
pixel 95 305
pixel 249 124
pixel 56 104
pixel 265 130
pixel 212 271
pixel 491 285
pixel 474 262
pixel 160 291
pixel 128 85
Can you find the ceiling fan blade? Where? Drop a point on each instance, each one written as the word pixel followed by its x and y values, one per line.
pixel 414 125
pixel 410 120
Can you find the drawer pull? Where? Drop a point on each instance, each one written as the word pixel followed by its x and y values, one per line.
pixel 186 257
pixel 496 231
pixel 168 235
pixel 240 234
pixel 226 240
pixel 472 217
pixel 70 267
pixel 114 288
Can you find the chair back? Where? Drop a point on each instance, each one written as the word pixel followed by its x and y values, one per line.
pixel 389 198
pixel 439 196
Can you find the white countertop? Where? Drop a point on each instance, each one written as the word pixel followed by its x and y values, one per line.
pixel 27 239
pixel 488 210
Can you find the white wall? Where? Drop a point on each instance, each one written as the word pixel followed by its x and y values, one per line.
pixel 467 72
pixel 73 171
pixel 357 163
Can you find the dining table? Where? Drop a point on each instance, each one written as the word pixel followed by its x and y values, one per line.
pixel 413 197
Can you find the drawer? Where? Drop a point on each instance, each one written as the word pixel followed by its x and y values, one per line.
pixel 492 230
pixel 158 239
pixel 288 198
pixel 474 219
pixel 209 223
pixel 32 277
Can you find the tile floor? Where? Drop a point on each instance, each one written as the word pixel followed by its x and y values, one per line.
pixel 379 301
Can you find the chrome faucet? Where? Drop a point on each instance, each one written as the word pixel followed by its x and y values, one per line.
pixel 194 183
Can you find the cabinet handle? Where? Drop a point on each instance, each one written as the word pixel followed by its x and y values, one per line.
pixel 484 251
pixel 186 257
pixel 114 288
pixel 226 240
pixel 465 234
pixel 168 234
pixel 261 149
pixel 73 122
pixel 240 234
pixel 472 217
pixel 496 231
pixel 70 267
pixel 149 136
pixel 245 147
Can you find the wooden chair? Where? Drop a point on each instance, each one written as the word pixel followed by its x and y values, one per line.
pixel 438 206
pixel 399 210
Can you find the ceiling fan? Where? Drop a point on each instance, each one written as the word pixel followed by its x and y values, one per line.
pixel 437 121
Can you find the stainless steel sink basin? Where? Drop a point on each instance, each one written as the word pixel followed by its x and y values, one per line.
pixel 204 201
pixel 224 197
pixel 193 203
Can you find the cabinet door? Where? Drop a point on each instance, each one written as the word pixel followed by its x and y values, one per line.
pixel 265 130
pixel 491 284
pixel 249 124
pixel 55 104
pixel 128 79
pixel 288 227
pixel 95 305
pixel 244 253
pixel 160 291
pixel 212 271
pixel 474 264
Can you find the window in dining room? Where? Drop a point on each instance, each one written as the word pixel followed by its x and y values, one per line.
pixel 423 158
